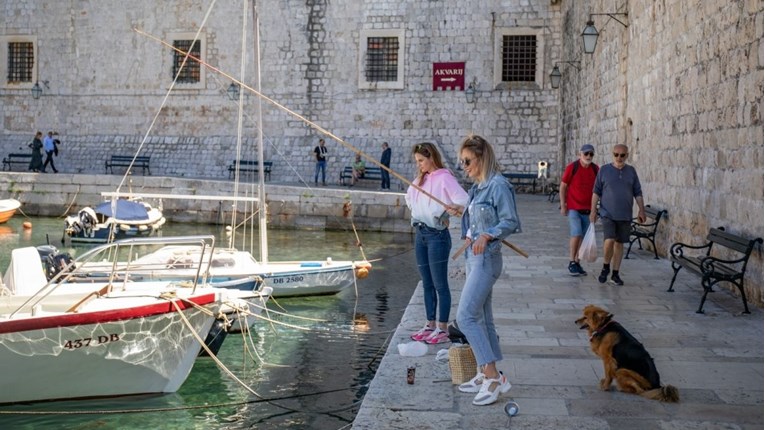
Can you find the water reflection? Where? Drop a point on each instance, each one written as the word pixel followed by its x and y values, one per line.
pixel 312 378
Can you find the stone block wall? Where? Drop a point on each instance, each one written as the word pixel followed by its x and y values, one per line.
pixel 106 81
pixel 682 86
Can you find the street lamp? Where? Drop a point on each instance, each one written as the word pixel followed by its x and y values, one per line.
pixel 36 91
pixel 470 92
pixel 233 91
pixel 556 75
pixel 590 33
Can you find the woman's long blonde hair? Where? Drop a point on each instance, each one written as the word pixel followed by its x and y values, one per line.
pixel 427 150
pixel 483 152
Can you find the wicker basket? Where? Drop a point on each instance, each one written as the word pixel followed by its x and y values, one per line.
pixel 462 363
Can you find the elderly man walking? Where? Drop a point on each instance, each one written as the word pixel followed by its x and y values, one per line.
pixel 616 186
pixel 575 198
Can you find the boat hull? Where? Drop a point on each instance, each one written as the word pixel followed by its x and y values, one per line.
pixel 8 208
pixel 137 350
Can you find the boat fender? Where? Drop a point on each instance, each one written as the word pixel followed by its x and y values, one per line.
pixel 362 269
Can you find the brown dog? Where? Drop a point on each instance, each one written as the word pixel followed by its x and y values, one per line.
pixel 624 358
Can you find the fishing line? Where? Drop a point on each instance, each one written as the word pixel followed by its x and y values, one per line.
pixel 317 127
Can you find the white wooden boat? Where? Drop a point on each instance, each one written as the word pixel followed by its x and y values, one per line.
pixel 111 337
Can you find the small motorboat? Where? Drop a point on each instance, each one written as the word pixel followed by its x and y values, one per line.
pixel 114 220
pixel 8 208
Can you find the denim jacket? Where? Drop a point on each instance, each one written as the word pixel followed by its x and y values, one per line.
pixel 491 210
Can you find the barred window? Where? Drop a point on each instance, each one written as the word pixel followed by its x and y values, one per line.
pixel 190 74
pixel 382 59
pixel 519 58
pixel 21 61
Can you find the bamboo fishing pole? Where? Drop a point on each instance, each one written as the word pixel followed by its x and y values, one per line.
pixel 310 123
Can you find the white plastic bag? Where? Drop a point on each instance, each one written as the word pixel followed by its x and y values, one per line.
pixel 412 349
pixel 588 250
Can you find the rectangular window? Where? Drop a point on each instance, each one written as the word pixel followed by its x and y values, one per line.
pixel 519 54
pixel 382 59
pixel 21 62
pixel 191 71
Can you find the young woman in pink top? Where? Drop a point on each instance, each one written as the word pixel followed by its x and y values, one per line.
pixel 433 241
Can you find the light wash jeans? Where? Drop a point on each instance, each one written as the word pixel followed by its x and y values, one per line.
pixel 432 249
pixel 474 315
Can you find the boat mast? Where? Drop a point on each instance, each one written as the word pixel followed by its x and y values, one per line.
pixel 261 174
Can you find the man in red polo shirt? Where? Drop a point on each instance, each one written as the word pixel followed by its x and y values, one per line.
pixel 575 199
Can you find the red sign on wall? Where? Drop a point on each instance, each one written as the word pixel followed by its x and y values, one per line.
pixel 449 76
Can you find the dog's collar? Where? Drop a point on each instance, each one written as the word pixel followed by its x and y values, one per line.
pixel 599 330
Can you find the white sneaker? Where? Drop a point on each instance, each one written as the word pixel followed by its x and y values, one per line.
pixel 486 395
pixel 473 385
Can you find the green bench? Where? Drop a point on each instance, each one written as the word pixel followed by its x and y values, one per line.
pixel 713 269
pixel 370 173
pixel 125 160
pixel 251 166
pixel 16 158
pixel 522 179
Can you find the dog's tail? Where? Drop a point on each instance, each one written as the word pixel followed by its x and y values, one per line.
pixel 666 393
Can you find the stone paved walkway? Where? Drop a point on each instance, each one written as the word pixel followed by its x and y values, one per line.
pixel 715 359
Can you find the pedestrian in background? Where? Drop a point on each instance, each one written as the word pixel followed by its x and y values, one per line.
pixel 433 243
pixel 50 149
pixel 616 186
pixel 575 200
pixel 489 217
pixel 385 161
pixel 320 152
pixel 36 163
pixel 359 167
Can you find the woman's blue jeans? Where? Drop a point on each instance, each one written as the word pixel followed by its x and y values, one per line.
pixel 432 249
pixel 474 314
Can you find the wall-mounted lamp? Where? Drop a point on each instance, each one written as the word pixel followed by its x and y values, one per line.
pixel 233 91
pixel 470 92
pixel 590 33
pixel 36 91
pixel 555 75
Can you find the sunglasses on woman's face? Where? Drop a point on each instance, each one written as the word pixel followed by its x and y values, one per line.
pixel 466 161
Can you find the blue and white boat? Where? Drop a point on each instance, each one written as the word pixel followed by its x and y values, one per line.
pixel 114 220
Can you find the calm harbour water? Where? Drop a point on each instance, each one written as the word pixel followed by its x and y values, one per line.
pixel 314 378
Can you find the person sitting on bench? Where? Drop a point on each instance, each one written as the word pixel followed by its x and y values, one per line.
pixel 359 166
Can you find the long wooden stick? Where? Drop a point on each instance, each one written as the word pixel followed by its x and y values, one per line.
pixel 310 123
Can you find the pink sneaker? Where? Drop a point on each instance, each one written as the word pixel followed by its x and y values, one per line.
pixel 422 334
pixel 437 336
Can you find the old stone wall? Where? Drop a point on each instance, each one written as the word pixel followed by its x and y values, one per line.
pixel 682 86
pixel 105 81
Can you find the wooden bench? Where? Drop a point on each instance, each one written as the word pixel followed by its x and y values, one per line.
pixel 371 173
pixel 125 160
pixel 251 166
pixel 713 269
pixel 523 179
pixel 647 231
pixel 14 158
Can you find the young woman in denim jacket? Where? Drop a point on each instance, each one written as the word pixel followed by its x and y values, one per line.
pixel 432 240
pixel 489 217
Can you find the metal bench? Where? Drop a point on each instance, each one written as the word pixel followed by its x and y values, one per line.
pixel 371 173
pixel 523 179
pixel 251 166
pixel 16 158
pixel 125 160
pixel 647 231
pixel 713 269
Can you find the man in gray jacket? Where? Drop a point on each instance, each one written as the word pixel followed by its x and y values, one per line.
pixel 616 186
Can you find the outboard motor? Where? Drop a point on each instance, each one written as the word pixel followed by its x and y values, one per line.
pixel 55 263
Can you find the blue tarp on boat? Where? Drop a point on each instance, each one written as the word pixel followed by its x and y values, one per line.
pixel 126 210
